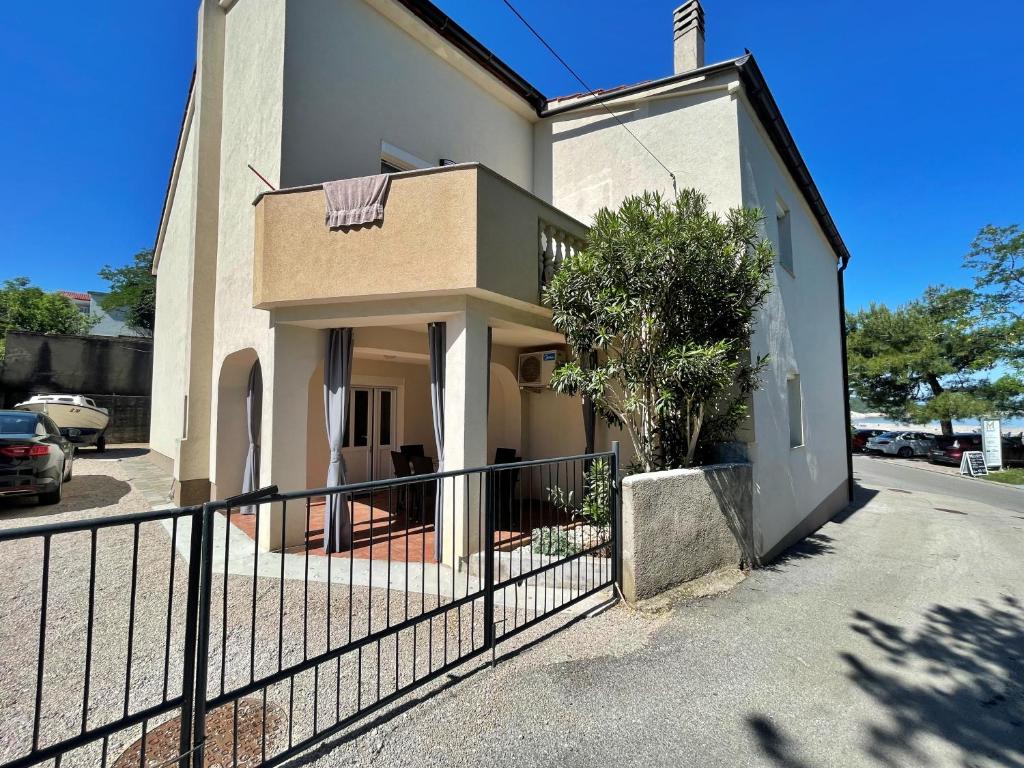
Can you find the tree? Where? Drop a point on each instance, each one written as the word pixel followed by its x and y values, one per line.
pixel 132 292
pixel 931 359
pixel 658 310
pixel 997 259
pixel 25 307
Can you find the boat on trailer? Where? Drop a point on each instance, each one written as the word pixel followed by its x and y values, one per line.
pixel 77 416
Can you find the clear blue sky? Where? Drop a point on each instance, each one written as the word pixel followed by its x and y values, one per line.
pixel 908 114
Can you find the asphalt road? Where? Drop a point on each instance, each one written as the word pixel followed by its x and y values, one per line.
pixel 880 471
pixel 892 637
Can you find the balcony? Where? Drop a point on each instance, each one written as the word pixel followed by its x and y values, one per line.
pixel 455 229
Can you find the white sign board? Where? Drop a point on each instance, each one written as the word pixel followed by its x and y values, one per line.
pixel 973 463
pixel 992 443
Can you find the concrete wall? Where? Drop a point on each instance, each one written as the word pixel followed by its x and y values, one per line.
pixel 355 78
pixel 682 524
pixel 37 363
pixel 171 337
pixel 115 372
pixel 799 329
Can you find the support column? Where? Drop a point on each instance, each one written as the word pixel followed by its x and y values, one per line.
pixel 192 463
pixel 285 408
pixel 465 433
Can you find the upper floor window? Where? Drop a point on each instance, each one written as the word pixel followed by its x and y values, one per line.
pixel 794 400
pixel 784 221
pixel 395 159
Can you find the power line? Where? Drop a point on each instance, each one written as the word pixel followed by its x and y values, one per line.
pixel 591 91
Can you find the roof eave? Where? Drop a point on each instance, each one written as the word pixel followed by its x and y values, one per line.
pixel 179 149
pixel 768 112
pixel 450 30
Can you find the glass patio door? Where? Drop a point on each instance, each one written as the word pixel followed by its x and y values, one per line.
pixel 371 434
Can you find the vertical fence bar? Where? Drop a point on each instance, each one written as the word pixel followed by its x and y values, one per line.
pixel 203 630
pixel 44 591
pixel 488 550
pixel 616 516
pixel 188 671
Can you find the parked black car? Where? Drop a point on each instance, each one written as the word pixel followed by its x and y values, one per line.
pixel 35 459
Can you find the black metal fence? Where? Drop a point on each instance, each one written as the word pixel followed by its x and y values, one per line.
pixel 267 645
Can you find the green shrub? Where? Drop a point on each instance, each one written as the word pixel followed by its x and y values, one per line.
pixel 552 541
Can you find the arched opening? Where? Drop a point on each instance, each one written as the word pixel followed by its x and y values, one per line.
pixel 232 421
pixel 504 414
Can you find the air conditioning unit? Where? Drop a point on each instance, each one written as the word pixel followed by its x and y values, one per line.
pixel 535 368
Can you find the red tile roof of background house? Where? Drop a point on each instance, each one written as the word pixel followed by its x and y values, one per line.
pixel 75 295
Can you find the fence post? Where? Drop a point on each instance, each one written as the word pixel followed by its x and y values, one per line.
pixel 488 553
pixel 616 515
pixel 203 640
pixel 188 671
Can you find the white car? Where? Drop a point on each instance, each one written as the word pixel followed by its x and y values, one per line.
pixel 902 444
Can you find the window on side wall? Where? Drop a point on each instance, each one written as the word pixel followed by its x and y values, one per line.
pixel 784 221
pixel 796 411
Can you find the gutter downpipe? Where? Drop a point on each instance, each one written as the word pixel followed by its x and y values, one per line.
pixel 846 379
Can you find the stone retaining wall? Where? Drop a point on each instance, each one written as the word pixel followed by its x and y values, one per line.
pixel 682 524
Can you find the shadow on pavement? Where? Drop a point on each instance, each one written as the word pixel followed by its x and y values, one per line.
pixel 83 492
pixel 967 665
pixel 861 497
pixel 812 546
pixel 775 745
pixel 953 680
pixel 128 452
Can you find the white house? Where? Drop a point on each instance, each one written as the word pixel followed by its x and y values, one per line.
pixel 492 182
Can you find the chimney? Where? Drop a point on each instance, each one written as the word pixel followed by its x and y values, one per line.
pixel 688 36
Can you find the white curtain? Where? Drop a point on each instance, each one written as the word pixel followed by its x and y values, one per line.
pixel 436 346
pixel 253 416
pixel 337 384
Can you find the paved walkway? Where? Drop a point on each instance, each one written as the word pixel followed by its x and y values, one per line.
pixel 892 637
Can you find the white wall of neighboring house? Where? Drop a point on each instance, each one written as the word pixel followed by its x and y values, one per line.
pixel 173 301
pixel 799 329
pixel 355 79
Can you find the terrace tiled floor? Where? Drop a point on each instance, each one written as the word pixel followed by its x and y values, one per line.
pixel 380 533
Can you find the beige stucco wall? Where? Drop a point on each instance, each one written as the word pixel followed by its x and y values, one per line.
pixel 251 126
pixel 354 79
pixel 173 301
pixel 799 329
pixel 427 242
pixel 450 229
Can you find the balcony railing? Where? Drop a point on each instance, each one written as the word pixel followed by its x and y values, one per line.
pixel 456 229
pixel 554 245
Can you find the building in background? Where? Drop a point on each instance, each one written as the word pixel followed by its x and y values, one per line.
pixel 105 323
